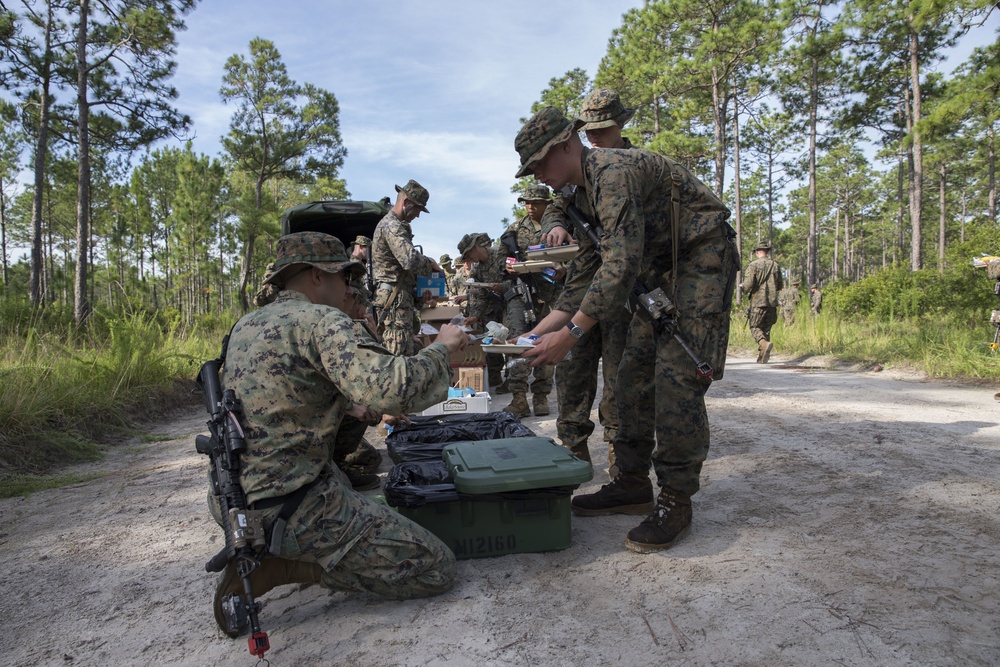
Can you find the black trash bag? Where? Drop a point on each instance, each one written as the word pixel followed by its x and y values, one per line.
pixel 424 439
pixel 415 483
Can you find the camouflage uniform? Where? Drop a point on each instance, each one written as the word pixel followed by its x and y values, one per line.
pixel 484 304
pixel 815 300
pixel 397 263
pixel 788 301
pixel 297 367
pixel 600 348
pixel 449 273
pixel 456 283
pixel 661 398
pixel 528 233
pixel 762 282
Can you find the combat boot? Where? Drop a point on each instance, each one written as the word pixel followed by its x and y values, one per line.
pixel 540 404
pixel 362 481
pixel 665 525
pixel 273 572
pixel 519 405
pixel 764 350
pixel 627 493
pixel 502 388
pixel 581 452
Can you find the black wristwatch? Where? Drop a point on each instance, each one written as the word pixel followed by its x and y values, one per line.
pixel 575 331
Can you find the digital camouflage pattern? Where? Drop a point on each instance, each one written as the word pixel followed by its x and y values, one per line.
pixel 662 403
pixel 456 282
pixel 603 108
pixel 534 140
pixel 296 366
pixel 762 283
pixel 529 233
pixel 362 240
pixel 484 304
pixel 396 261
pixel 576 378
pixel 536 193
pixel 469 241
pixel 788 301
pixel 416 193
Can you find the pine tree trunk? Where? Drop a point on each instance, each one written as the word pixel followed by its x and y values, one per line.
pixel 81 304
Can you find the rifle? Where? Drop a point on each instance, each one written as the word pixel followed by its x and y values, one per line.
pixel 661 309
pixel 524 286
pixel 244 530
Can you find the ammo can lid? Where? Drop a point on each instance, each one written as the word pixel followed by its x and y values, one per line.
pixel 513 464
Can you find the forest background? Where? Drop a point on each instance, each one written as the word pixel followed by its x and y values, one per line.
pixel 824 126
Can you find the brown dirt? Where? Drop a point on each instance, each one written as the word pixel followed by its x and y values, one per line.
pixel 846 518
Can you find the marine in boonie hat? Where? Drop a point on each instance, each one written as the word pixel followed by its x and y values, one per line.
pixel 359 291
pixel 314 249
pixel 469 241
pixel 547 128
pixel 602 108
pixel 536 193
pixel 416 193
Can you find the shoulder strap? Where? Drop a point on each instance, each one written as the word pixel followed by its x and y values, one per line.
pixel 675 221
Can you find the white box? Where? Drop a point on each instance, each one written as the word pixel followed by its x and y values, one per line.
pixel 478 404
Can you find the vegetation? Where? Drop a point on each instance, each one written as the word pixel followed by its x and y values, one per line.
pixel 825 126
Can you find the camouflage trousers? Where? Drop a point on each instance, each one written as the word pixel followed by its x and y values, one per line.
pixel 363 545
pixel 662 418
pixel 789 315
pixel 520 370
pixel 576 383
pixel 760 322
pixel 398 321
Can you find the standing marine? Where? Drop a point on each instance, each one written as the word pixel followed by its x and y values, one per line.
pixel 396 266
pixel 527 232
pixel 788 301
pixel 602 118
pixel 762 283
pixel 662 229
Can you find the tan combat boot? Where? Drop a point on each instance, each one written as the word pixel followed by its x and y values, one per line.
pixel 664 527
pixel 627 493
pixel 581 452
pixel 763 351
pixel 519 405
pixel 540 404
pixel 273 571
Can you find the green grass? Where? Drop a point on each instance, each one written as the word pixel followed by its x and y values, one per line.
pixel 954 347
pixel 65 395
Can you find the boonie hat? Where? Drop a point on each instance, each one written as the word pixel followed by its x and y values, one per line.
pixel 315 249
pixel 762 245
pixel 362 240
pixel 470 240
pixel 544 130
pixel 536 193
pixel 357 285
pixel 445 258
pixel 603 108
pixel 416 193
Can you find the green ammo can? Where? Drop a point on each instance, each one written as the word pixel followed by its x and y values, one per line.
pixel 513 497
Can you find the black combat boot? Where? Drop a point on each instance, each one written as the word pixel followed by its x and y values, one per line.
pixel 665 525
pixel 627 493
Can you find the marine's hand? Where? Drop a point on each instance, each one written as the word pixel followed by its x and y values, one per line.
pixel 363 414
pixel 551 348
pixel 557 237
pixel 396 420
pixel 453 337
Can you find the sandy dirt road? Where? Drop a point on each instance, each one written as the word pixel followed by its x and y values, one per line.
pixel 846 518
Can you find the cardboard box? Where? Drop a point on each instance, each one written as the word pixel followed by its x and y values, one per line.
pixel 472 355
pixel 435 285
pixel 470 378
pixel 440 313
pixel 480 404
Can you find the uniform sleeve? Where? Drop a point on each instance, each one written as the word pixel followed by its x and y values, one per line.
pixel 402 249
pixel 617 204
pixel 369 375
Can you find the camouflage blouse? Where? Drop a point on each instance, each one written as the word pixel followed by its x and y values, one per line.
pixel 297 366
pixel 394 259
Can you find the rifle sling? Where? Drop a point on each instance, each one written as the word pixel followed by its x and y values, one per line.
pixel 289 504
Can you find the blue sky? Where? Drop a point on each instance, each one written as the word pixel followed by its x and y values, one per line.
pixel 429 90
